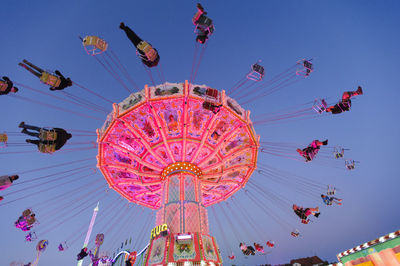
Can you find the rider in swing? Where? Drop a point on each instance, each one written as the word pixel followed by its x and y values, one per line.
pixel 304 213
pixel 345 103
pixel 7 86
pixel 204 25
pixel 148 54
pixel 56 82
pixel 54 138
pixel 311 150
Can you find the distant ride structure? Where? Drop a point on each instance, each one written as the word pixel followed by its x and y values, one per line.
pixel 168 149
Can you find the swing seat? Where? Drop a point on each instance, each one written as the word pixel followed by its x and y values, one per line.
pixel 47 148
pixel 62 246
pixel 308 64
pixel 3 140
pixel 212 94
pixel 212 100
pixel 3 86
pixel 149 53
pixel 305 221
pixel 270 244
pixel 344 105
pixel 319 105
pixel 212 97
pixel 203 26
pixel 31 237
pixel 50 79
pixel 331 192
pixel 350 164
pixel 31 221
pixel 211 107
pixel 94 45
pixel 204 23
pixel 305 69
pixel 310 154
pixel 257 73
pixel 338 152
pixel 338 155
pixel 50 135
pixel 26 212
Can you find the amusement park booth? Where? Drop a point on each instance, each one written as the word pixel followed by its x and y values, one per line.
pixel 383 251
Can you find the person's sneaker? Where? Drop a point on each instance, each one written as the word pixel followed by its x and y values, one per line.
pixel 21 125
pixel 199 6
pixel 317 214
pixel 325 142
pixel 122 25
pixel 359 90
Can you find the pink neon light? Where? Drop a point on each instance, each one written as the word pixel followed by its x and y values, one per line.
pixel 169 124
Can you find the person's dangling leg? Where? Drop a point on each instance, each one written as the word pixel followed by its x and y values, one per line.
pixel 130 34
pixel 30 70
pixel 348 94
pixel 338 203
pixel 38 69
pixel 199 13
pixel 25 126
pixel 329 109
pixel 316 143
pixel 33 134
pixel 33 141
pixel 336 200
pixel 314 209
pixel 300 152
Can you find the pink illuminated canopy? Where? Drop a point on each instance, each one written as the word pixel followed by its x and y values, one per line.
pixel 161 126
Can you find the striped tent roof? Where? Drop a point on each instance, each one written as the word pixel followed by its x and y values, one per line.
pixel 382 239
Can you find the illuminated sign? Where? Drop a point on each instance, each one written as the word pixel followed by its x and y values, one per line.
pixel 184 238
pixel 158 230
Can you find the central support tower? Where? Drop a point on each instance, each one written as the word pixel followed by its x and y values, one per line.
pixel 181 235
pixel 182 209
